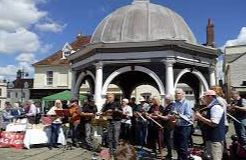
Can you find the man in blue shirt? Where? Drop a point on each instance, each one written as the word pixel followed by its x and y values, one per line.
pixel 182 130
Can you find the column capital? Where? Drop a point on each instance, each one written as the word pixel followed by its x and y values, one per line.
pixel 212 69
pixel 99 65
pixel 169 62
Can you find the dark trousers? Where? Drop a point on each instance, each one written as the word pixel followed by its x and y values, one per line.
pixel 167 140
pixel 74 131
pixel 55 130
pixel 241 133
pixel 155 135
pixel 113 135
pixel 125 131
pixel 141 132
pixel 181 139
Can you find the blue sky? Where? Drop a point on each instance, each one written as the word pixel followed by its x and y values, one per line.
pixel 33 29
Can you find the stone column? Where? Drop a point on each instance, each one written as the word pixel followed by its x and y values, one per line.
pixel 212 76
pixel 201 89
pixel 169 76
pixel 73 89
pixel 98 85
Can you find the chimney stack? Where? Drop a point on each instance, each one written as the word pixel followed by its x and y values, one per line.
pixel 210 34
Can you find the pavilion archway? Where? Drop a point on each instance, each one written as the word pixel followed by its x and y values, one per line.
pixel 83 77
pixel 128 78
pixel 193 79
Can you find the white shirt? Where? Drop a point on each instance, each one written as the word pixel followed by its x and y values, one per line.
pixel 127 110
pixel 32 110
pixel 216 114
pixel 223 102
pixel 53 113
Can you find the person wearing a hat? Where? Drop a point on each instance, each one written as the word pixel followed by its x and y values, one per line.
pixel 214 123
pixel 88 112
pixel 126 120
pixel 141 124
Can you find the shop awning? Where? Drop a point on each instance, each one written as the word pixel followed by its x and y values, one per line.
pixel 65 95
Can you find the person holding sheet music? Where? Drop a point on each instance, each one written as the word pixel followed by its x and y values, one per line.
pixel 88 112
pixel 238 109
pixel 182 129
pixel 113 111
pixel 126 122
pixel 155 132
pixel 55 125
pixel 74 120
pixel 214 122
pixel 141 124
pixel 168 122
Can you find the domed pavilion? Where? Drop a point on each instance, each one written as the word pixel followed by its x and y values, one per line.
pixel 143 43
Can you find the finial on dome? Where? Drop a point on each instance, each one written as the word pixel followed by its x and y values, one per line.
pixel 140 1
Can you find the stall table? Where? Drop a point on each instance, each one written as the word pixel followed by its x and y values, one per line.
pixel 41 136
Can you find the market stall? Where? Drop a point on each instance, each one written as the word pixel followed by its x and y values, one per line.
pixel 40 135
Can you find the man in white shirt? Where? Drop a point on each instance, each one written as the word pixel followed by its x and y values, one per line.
pixel 31 113
pixel 214 123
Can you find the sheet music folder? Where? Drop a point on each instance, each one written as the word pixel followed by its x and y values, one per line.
pixel 62 112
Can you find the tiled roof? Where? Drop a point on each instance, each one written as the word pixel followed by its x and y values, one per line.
pixel 20 83
pixel 56 58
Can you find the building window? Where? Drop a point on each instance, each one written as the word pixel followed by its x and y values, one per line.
pixel 244 83
pixel 16 94
pixel 23 95
pixel 188 92
pixel 49 79
pixel 0 91
pixel 8 95
pixel 66 53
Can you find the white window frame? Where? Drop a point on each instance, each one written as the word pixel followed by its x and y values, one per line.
pixel 49 80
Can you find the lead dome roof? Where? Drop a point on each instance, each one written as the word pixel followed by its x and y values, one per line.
pixel 142 21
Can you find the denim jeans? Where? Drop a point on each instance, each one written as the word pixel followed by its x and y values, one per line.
pixel 125 131
pixel 241 133
pixel 141 132
pixel 113 135
pixel 181 136
pixel 74 130
pixel 55 129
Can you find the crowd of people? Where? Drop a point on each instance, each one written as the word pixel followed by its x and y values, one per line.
pixel 148 124
pixel 13 112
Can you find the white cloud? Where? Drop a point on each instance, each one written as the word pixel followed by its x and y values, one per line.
pixel 20 41
pixel 50 27
pixel 24 61
pixel 46 48
pixel 26 57
pixel 22 13
pixel 240 40
pixel 18 18
pixel 8 71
